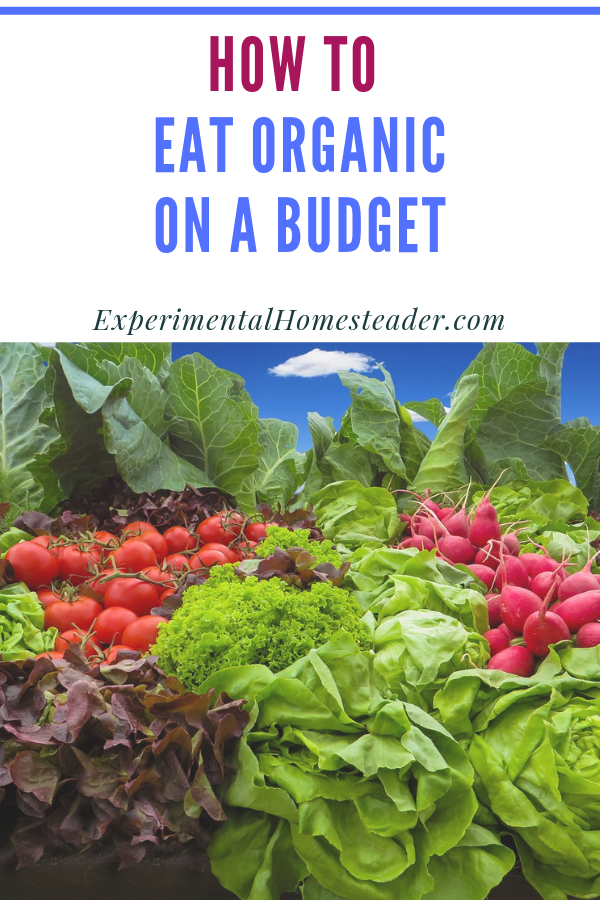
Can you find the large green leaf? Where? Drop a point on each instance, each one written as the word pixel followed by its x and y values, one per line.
pixel 578 442
pixel 78 458
pixel 156 357
pixel 375 420
pixel 433 410
pixel 281 466
pixel 23 432
pixel 211 423
pixel 442 468
pixel 322 432
pixel 518 405
pixel 143 460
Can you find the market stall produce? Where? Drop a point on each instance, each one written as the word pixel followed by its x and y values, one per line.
pixel 367 671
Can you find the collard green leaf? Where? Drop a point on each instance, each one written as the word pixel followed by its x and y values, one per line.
pixel 433 410
pixel 156 356
pixel 578 442
pixel 442 468
pixel 78 458
pixel 280 467
pixel 142 459
pixel 375 419
pixel 322 432
pixel 23 432
pixel 518 405
pixel 415 444
pixel 209 427
pixel 343 462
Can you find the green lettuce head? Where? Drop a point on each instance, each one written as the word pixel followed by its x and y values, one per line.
pixel 536 755
pixel 347 792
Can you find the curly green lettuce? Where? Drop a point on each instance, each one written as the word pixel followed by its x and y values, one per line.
pixel 233 622
pixel 324 551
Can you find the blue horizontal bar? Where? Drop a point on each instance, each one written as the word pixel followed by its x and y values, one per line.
pixel 299 10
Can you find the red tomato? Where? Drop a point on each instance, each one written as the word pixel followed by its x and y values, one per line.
pixel 111 656
pixel 229 553
pixel 79 614
pixel 75 565
pixel 255 531
pixel 47 598
pixel 47 542
pixel 112 623
pixel 32 564
pixel 220 529
pixel 179 539
pixel 98 584
pixel 158 544
pixel 137 528
pixel 134 555
pixel 177 562
pixel 131 593
pixel 50 654
pixel 245 549
pixel 142 634
pixel 156 574
pixel 73 636
pixel 207 558
pixel 104 540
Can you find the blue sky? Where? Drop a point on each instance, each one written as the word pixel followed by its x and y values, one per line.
pixel 419 371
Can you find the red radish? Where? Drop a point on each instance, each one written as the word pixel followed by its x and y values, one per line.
pixel 511 543
pixel 493 605
pixel 489 555
pixel 497 640
pixel 597 577
pixel 507 631
pixel 445 513
pixel 543 582
pixel 429 528
pixel 458 524
pixel 457 549
pixel 514 660
pixel 588 635
pixel 511 571
pixel 484 573
pixel 406 519
pixel 418 542
pixel 431 506
pixel 579 610
pixel 579 583
pixel 516 605
pixel 542 629
pixel 484 525
pixel 535 563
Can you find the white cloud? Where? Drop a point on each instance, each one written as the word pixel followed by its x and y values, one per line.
pixel 323 362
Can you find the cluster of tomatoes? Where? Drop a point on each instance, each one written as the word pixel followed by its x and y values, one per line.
pixel 99 590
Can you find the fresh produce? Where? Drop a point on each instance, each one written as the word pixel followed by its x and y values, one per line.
pixel 230 621
pixel 414 624
pixel 113 753
pixel 359 794
pixel 536 753
pixel 22 631
pixel 32 564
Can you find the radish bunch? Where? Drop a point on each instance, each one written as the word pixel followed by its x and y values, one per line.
pixel 532 601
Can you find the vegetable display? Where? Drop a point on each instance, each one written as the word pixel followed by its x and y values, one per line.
pixel 353 794
pixel 363 672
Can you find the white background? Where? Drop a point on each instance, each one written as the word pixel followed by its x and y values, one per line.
pixel 519 235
